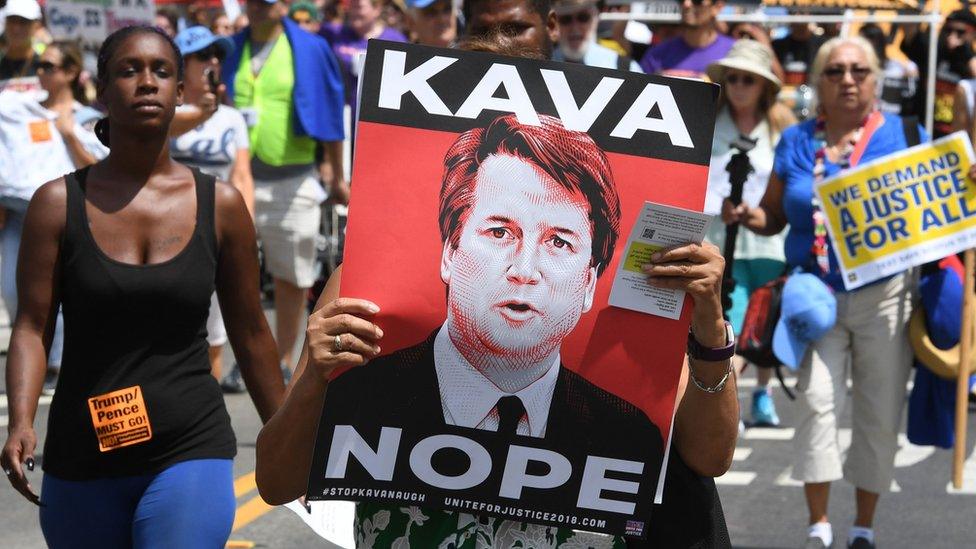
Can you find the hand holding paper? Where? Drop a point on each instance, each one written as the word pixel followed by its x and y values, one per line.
pixel 659 228
pixel 696 269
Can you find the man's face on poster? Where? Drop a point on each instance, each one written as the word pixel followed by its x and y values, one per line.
pixel 521 274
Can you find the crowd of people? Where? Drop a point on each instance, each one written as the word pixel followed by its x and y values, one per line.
pixel 135 271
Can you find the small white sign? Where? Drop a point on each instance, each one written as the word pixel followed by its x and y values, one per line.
pixel 657 227
pixel 331 520
pixel 91 21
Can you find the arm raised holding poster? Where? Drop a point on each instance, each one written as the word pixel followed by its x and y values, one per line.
pixel 341 335
pixel 506 385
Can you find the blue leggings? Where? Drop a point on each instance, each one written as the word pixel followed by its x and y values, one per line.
pixel 188 505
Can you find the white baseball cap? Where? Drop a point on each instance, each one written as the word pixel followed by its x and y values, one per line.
pixel 28 9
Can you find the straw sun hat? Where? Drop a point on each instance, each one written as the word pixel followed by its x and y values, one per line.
pixel 749 56
pixel 943 362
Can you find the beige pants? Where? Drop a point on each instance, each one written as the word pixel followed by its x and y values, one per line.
pixel 869 343
pixel 287 217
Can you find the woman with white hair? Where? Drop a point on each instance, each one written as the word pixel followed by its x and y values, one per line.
pixel 867 339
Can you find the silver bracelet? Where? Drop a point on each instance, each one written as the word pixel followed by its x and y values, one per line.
pixel 717 388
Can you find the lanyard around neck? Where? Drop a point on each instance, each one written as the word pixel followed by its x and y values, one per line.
pixel 850 155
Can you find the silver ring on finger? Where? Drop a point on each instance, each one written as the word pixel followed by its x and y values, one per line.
pixel 7 472
pixel 337 344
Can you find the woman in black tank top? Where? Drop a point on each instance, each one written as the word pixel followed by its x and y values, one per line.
pixel 132 249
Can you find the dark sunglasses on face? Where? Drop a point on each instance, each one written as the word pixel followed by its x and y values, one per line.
pixel 582 18
pixel 209 53
pixel 734 79
pixel 47 66
pixel 836 74
pixel 957 31
pixel 693 2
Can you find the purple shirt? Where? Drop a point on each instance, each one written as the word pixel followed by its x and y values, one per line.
pixel 680 59
pixel 347 45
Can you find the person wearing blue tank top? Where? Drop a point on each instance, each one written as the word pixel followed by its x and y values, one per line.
pixel 131 249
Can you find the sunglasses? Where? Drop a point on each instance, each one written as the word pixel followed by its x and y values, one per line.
pixel 582 18
pixel 47 66
pixel 693 2
pixel 956 31
pixel 209 53
pixel 836 74
pixel 734 79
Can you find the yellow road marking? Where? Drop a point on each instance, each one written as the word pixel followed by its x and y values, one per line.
pixel 244 484
pixel 252 509
pixel 249 512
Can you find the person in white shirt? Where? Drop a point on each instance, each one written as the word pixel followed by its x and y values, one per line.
pixel 41 141
pixel 748 108
pixel 219 146
pixel 576 22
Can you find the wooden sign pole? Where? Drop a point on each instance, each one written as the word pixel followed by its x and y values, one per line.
pixel 962 380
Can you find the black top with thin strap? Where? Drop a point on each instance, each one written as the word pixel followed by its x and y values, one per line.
pixel 135 332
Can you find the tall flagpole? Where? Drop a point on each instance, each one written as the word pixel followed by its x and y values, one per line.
pixel 962 379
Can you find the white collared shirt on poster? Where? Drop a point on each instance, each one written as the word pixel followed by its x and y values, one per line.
pixel 33 151
pixel 748 245
pixel 469 399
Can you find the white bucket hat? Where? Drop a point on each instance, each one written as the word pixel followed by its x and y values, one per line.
pixel 749 56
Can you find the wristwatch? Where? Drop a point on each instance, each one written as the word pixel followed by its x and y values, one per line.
pixel 699 352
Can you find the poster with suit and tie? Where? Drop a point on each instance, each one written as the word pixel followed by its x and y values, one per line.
pixel 492 200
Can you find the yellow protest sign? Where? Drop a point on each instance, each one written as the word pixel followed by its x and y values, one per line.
pixel 901 210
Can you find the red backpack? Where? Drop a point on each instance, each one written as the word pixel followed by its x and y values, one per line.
pixel 755 342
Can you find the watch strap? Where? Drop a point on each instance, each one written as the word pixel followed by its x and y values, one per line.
pixel 712 354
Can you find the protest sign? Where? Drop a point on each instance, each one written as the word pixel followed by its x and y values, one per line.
pixel 492 200
pixel 902 210
pixel 91 21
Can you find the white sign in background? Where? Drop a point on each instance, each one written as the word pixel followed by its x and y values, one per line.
pixel 91 21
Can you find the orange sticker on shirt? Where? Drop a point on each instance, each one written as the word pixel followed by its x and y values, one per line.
pixel 40 131
pixel 120 418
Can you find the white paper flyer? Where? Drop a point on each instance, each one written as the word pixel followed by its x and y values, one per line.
pixel 658 226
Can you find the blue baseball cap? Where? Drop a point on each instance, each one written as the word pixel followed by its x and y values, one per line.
pixel 808 310
pixel 418 4
pixel 193 39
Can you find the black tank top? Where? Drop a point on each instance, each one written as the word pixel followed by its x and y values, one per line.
pixel 135 393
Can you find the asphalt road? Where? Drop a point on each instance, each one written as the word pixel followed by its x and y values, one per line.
pixel 763 506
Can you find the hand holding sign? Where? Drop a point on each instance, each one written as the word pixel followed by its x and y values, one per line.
pixel 902 210
pixel 339 336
